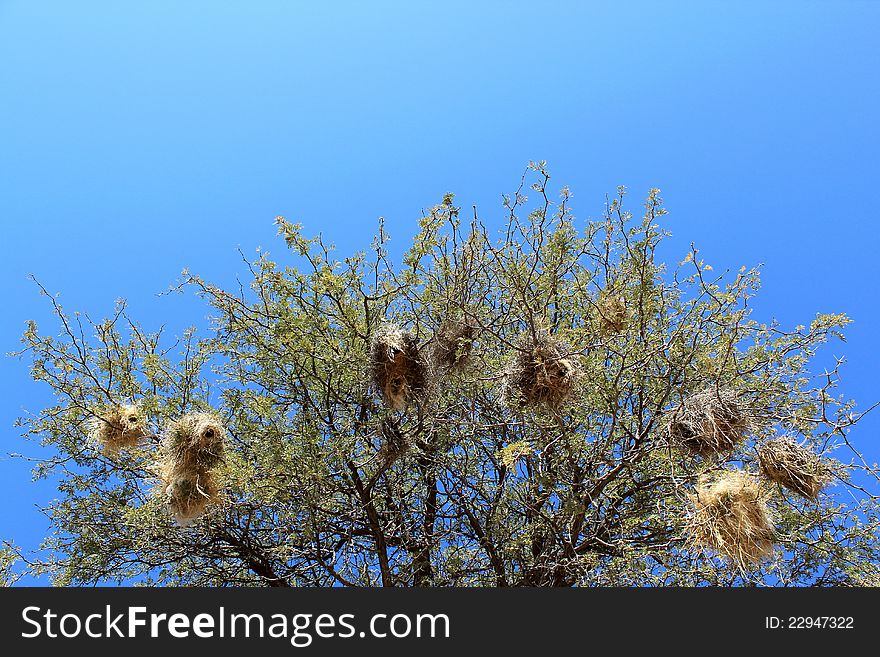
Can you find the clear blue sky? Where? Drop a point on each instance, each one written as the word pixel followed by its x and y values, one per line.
pixel 137 139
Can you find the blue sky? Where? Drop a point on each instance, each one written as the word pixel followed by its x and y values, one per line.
pixel 137 139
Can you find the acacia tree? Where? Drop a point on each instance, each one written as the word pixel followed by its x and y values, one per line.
pixel 482 489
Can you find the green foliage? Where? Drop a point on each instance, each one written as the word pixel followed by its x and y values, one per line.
pixel 486 492
pixel 8 557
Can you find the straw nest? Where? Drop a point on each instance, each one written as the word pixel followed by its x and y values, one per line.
pixel 453 343
pixel 540 372
pixel 612 313
pixel 193 447
pixel 793 466
pixel 118 427
pixel 730 517
pixel 188 496
pixel 709 422
pixel 398 369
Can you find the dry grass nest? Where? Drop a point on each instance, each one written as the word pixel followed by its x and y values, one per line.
pixel 453 343
pixel 793 466
pixel 193 447
pixel 188 496
pixel 541 372
pixel 709 422
pixel 118 427
pixel 731 518
pixel 195 442
pixel 398 369
pixel 612 313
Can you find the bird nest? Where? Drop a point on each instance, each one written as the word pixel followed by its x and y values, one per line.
pixel 189 495
pixel 193 447
pixel 612 314
pixel 709 422
pixel 730 517
pixel 195 442
pixel 793 466
pixel 453 343
pixel 118 427
pixel 398 369
pixel 541 372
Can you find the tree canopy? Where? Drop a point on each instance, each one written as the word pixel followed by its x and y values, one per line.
pixel 509 406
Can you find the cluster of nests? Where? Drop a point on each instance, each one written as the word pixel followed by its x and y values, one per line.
pixel 541 371
pixel 192 448
pixel 730 515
